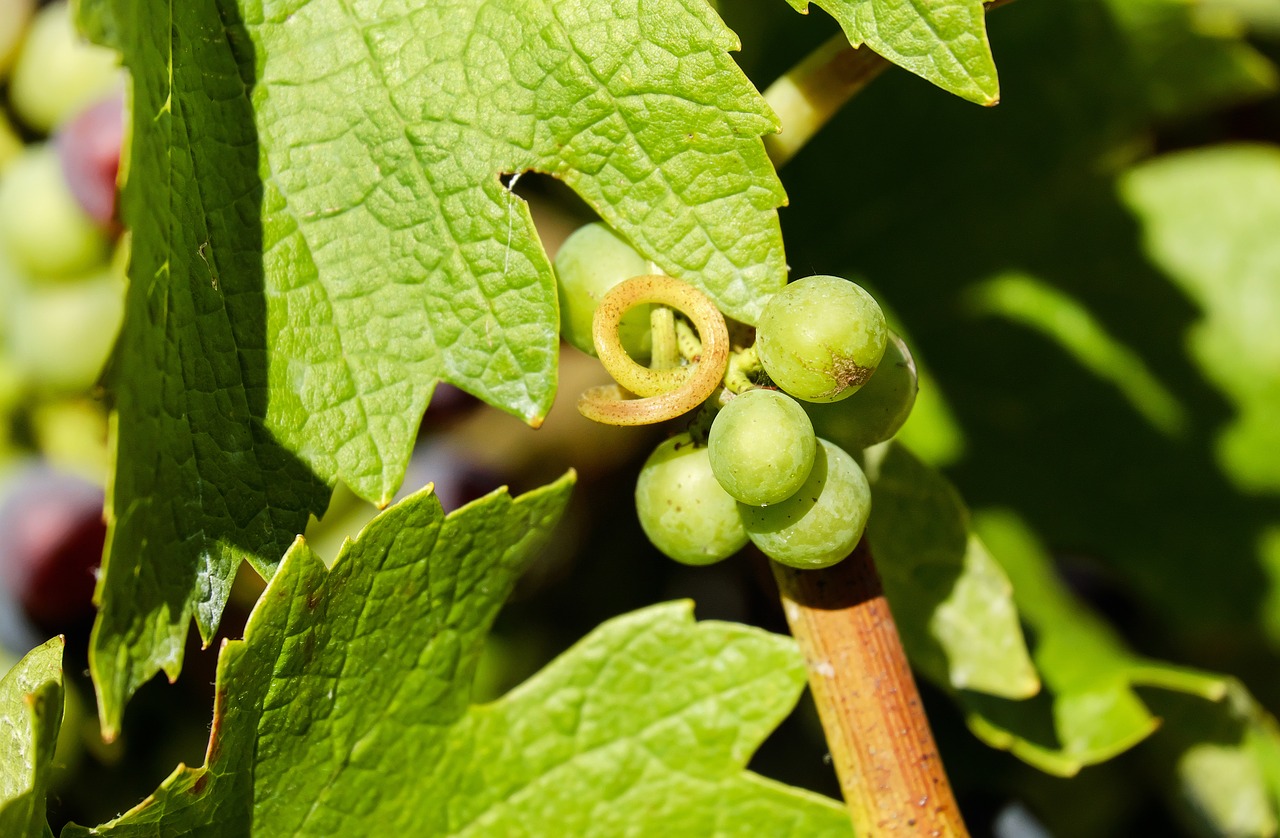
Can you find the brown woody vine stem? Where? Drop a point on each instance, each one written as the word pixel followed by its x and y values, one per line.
pixel 885 757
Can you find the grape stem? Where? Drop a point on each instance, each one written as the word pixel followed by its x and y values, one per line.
pixel 888 766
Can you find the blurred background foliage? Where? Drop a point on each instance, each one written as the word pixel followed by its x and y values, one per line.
pixel 1090 276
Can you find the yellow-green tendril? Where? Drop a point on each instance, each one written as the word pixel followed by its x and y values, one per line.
pixel 668 393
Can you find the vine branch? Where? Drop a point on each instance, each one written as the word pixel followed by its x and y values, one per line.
pixel 887 762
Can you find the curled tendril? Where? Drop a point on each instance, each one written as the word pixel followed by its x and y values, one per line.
pixel 665 394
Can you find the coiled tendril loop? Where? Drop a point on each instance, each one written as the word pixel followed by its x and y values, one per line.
pixel 664 394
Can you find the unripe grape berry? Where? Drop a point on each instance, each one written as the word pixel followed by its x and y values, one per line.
pixel 58 72
pixel 877 411
pixel 821 523
pixel 15 15
pixel 682 507
pixel 588 264
pixel 820 338
pixel 761 447
pixel 42 226
pixel 61 335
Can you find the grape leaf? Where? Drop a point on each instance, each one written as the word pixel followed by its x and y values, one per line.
pixel 943 41
pixel 1209 220
pixel 952 602
pixel 347 705
pixel 30 715
pixel 320 233
pixel 1091 709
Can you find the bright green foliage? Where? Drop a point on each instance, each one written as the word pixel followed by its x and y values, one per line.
pixel 1224 748
pixel 944 41
pixel 1033 193
pixel 346 708
pixel 30 715
pixel 1210 220
pixel 320 233
pixel 952 603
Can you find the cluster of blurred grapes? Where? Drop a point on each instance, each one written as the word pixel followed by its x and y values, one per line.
pixel 61 302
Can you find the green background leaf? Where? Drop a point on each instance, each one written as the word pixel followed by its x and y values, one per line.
pixel 1218 748
pixel 30 715
pixel 347 704
pixel 320 233
pixel 1209 219
pixel 952 603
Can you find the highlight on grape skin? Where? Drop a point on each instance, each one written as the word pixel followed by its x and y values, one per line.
pixel 820 338
pixel 672 392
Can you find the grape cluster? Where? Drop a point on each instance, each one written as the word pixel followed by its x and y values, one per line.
pixel 62 260
pixel 751 467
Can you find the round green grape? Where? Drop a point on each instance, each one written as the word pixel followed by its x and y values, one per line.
pixel 761 447
pixel 877 411
pixel 588 264
pixel 57 72
pixel 821 523
pixel 42 227
pixel 683 509
pixel 820 338
pixel 61 335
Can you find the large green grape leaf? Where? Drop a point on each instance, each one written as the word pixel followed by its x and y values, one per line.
pixel 321 233
pixel 1221 749
pixel 943 41
pixel 30 716
pixel 952 602
pixel 346 708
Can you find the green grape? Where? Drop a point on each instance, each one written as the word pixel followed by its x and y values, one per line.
pixel 60 335
pixel 589 263
pixel 57 72
pixel 876 412
pixel 820 338
pixel 761 447
pixel 683 509
pixel 821 523
pixel 42 227
pixel 14 17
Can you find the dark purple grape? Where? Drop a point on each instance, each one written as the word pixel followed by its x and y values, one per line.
pixel 52 546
